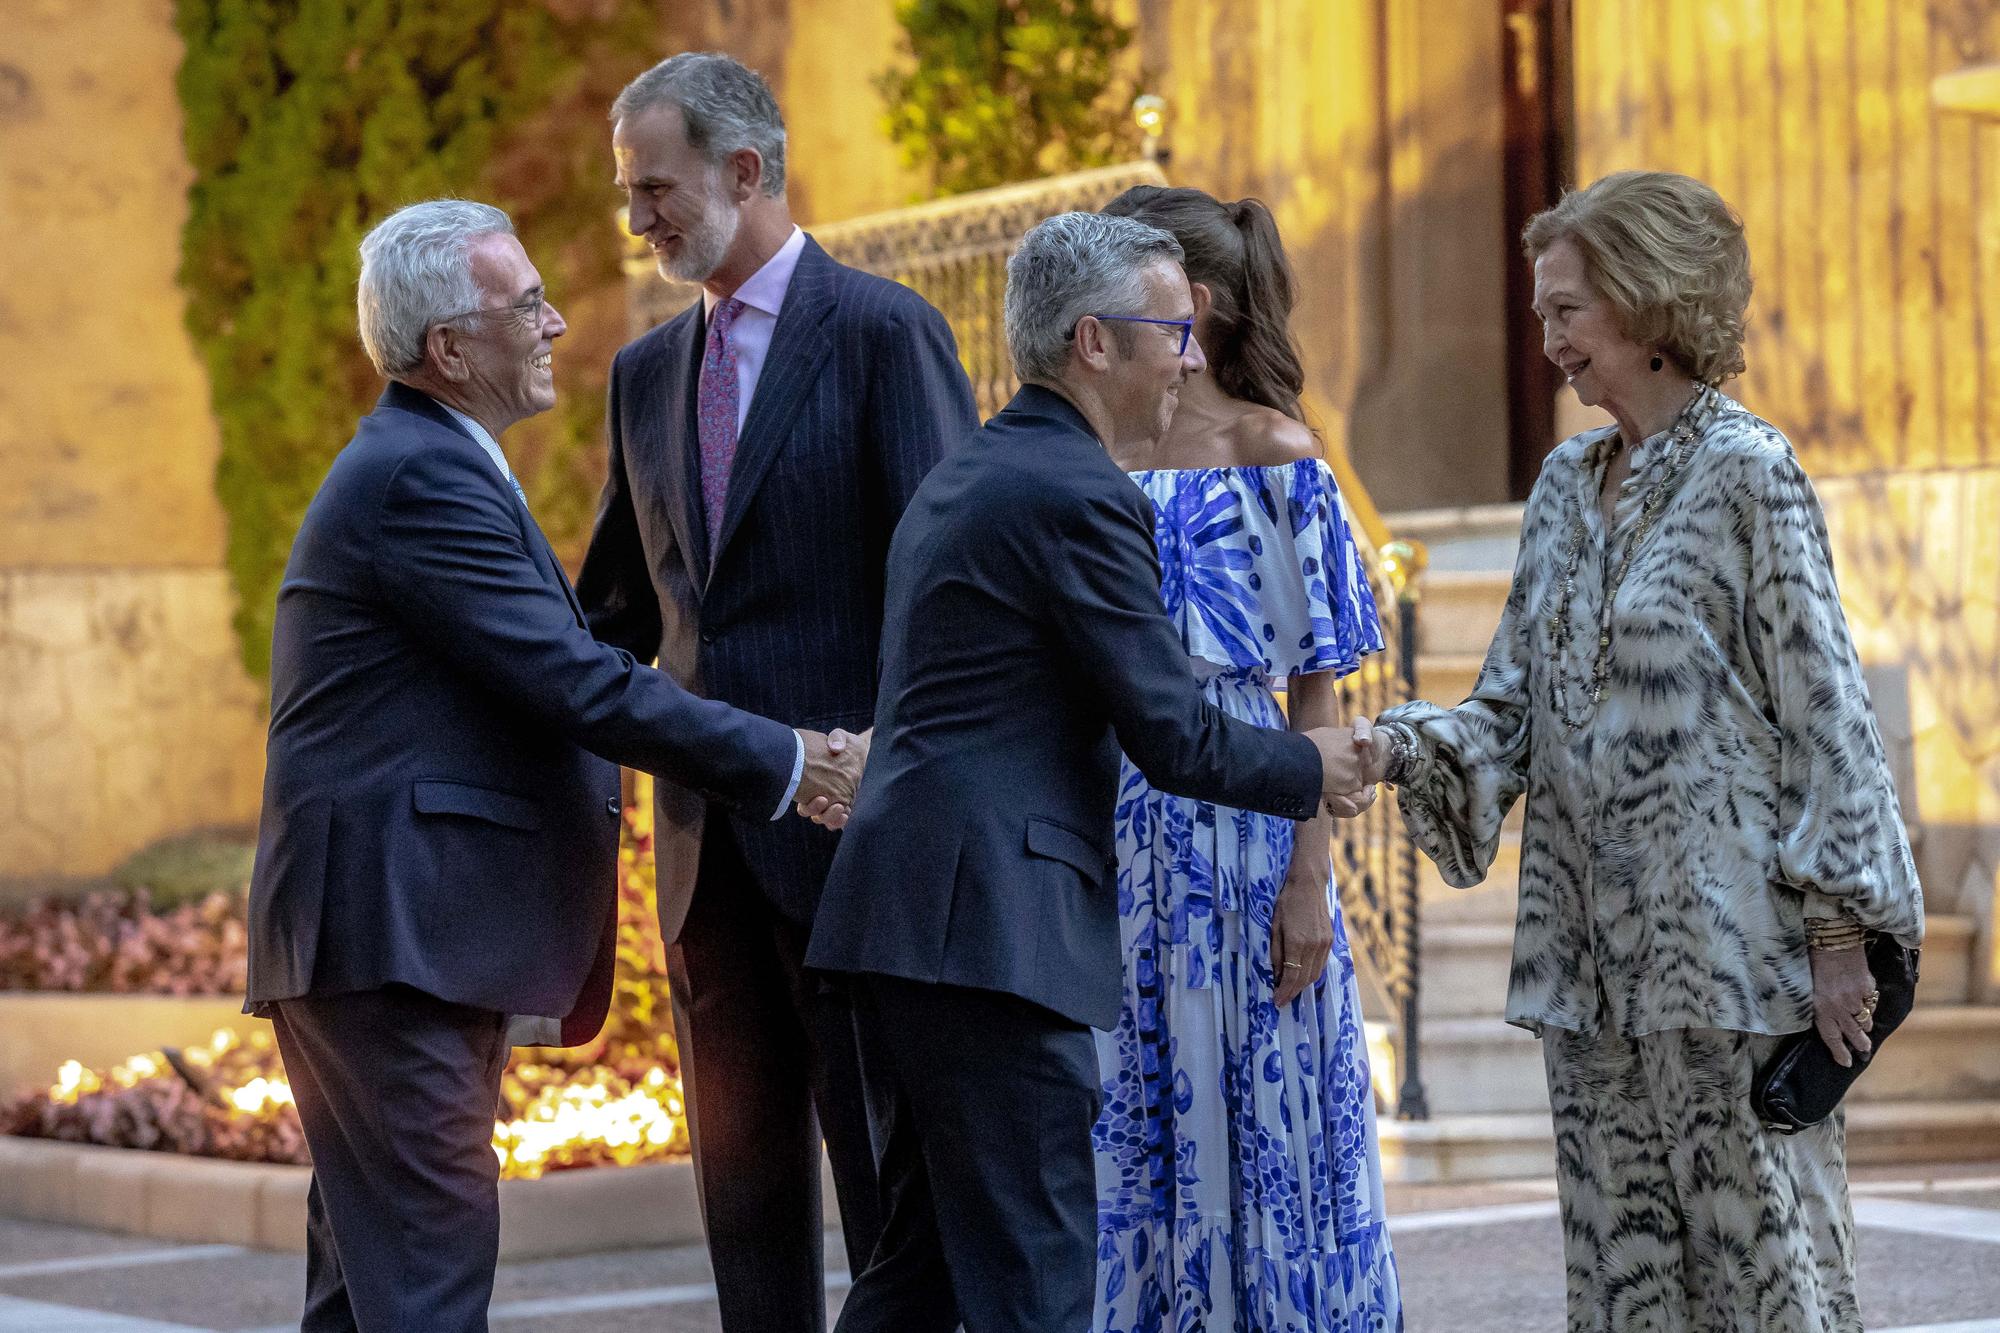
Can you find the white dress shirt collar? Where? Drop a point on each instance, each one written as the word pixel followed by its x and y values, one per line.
pixel 765 289
pixel 481 437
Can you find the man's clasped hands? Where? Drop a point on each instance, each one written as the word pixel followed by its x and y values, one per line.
pixel 1351 766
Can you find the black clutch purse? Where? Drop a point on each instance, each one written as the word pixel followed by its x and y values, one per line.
pixel 1800 1084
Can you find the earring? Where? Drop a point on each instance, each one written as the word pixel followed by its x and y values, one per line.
pixel 1658 363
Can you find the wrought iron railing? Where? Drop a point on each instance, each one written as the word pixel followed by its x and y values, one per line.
pixel 954 251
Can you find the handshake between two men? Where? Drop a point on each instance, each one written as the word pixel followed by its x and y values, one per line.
pixel 1350 768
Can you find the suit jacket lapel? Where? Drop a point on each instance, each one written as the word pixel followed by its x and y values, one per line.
pixel 539 551
pixel 545 556
pixel 799 345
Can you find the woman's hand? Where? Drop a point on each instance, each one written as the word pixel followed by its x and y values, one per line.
pixel 1301 936
pixel 1844 998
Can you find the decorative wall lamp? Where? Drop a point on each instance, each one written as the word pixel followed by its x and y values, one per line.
pixel 1149 111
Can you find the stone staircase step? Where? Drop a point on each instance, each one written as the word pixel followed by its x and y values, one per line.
pixel 1446 678
pixel 1943 1052
pixel 1465 969
pixel 1482 1066
pixel 1460 610
pixel 1467 965
pixel 1946 970
pixel 1467 955
pixel 1490 901
pixel 1464 537
pixel 1456 1148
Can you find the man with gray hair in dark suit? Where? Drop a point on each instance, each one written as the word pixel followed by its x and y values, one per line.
pixel 437 855
pixel 973 899
pixel 763 445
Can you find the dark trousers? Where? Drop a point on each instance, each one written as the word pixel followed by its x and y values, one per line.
pixel 769 1065
pixel 984 1104
pixel 396 1091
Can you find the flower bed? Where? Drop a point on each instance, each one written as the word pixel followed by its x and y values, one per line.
pixel 229 1098
pixel 113 940
pixel 616 1101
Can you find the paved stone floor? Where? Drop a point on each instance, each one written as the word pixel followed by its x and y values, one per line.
pixel 1482 1258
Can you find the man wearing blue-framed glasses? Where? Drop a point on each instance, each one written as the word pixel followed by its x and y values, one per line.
pixel 1024 643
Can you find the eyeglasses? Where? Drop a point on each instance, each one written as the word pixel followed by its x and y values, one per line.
pixel 528 310
pixel 1186 326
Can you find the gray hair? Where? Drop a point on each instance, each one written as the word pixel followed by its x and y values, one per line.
pixel 416 272
pixel 725 105
pixel 1069 266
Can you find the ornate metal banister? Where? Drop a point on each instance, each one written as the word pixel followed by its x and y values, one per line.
pixel 954 251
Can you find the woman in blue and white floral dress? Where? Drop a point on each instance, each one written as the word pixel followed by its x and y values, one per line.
pixel 1239 1186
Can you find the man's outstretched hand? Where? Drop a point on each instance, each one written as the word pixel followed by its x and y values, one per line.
pixel 843 751
pixel 1349 767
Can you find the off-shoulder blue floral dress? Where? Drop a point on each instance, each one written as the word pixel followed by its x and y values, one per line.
pixel 1239 1185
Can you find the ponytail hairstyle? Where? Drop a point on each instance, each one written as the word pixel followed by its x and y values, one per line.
pixel 1234 251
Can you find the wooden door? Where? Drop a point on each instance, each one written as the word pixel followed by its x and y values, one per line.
pixel 1538 108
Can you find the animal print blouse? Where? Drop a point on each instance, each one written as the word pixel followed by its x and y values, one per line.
pixel 1730 782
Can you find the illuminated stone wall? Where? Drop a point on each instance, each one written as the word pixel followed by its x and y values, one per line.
pixel 1373 129
pixel 124 715
pixel 841 160
pixel 1874 227
pixel 1370 126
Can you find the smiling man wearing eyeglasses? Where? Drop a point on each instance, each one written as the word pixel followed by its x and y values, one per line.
pixel 436 859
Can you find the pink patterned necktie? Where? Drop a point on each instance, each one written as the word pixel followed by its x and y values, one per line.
pixel 715 415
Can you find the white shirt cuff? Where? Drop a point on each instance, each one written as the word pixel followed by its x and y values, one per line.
pixel 798 772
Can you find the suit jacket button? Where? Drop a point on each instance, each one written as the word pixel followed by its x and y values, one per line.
pixel 611 807
pixel 708 636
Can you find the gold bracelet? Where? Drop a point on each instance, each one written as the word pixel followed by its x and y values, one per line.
pixel 1836 936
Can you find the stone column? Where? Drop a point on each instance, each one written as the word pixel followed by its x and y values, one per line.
pixel 124 714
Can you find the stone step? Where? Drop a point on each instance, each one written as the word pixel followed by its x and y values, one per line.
pixel 1460 611
pixel 1490 901
pixel 1481 1066
pixel 1468 537
pixel 1446 678
pixel 1465 969
pixel 1943 1052
pixel 1466 961
pixel 1946 971
pixel 1460 1148
pixel 1466 964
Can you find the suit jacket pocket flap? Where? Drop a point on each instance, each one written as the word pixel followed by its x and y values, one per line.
pixel 462 798
pixel 1047 838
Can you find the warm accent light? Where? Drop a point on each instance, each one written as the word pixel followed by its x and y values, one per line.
pixel 1973 91
pixel 555 1119
pixel 1149 112
pixel 260 1095
pixel 1381 1040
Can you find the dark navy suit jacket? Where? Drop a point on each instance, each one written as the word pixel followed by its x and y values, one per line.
pixel 1027 643
pixel 441 797
pixel 860 394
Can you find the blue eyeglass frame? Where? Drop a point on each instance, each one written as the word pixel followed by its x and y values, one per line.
pixel 1186 326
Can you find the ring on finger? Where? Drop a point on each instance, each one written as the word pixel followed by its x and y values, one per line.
pixel 1291 965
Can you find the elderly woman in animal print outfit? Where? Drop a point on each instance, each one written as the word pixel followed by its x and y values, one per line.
pixel 1710 822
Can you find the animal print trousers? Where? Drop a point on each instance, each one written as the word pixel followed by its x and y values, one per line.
pixel 1681 1212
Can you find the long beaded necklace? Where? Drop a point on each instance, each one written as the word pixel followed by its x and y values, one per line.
pixel 1681 446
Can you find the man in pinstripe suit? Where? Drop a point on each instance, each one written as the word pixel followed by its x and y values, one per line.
pixel 763 446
